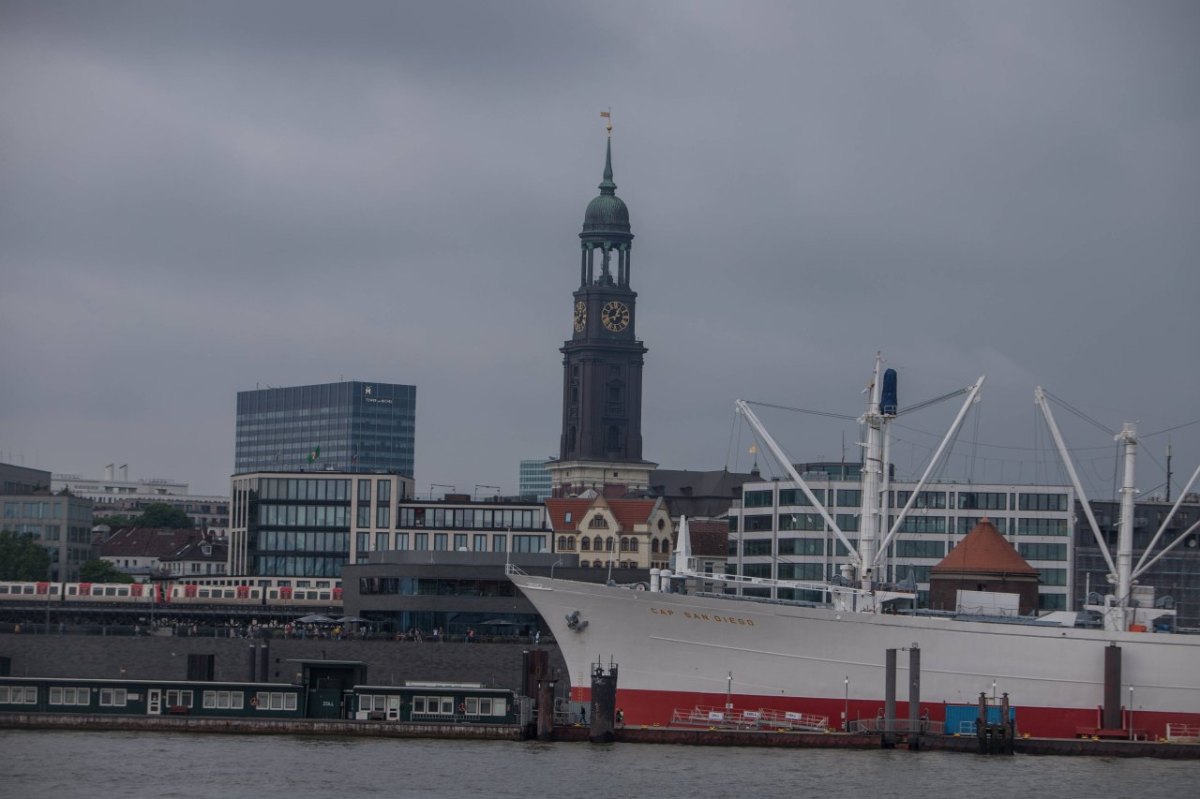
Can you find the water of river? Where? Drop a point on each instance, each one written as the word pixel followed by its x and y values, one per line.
pixel 175 766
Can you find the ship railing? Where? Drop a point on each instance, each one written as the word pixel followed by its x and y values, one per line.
pixel 452 717
pixel 735 719
pixel 700 716
pixel 792 720
pixel 1183 733
pixel 899 726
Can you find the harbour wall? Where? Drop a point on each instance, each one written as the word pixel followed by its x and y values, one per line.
pixel 166 658
pixel 326 727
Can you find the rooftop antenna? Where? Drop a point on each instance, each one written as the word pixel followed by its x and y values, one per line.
pixel 1167 498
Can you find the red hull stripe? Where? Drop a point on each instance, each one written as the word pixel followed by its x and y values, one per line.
pixel 648 708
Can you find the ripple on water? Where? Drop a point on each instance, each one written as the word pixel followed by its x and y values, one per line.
pixel 178 766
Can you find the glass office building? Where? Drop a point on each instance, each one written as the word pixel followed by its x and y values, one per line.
pixel 534 480
pixel 345 427
pixel 285 524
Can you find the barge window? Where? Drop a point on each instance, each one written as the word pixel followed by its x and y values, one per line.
pixel 440 705
pixel 481 706
pixel 223 700
pixel 18 695
pixel 113 697
pixel 70 696
pixel 275 700
pixel 369 702
pixel 179 699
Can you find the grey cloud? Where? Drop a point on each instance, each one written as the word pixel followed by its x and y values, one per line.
pixel 202 197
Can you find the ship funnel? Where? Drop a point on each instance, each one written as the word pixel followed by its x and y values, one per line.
pixel 888 403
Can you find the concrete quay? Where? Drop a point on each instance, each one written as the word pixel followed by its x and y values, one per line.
pixel 322 727
pixel 839 740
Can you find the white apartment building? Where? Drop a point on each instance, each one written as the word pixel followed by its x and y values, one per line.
pixel 776 533
pixel 116 494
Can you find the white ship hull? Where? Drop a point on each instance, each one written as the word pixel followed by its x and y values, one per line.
pixel 679 651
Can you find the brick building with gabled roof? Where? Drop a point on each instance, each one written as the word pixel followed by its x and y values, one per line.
pixel 139 551
pixel 203 557
pixel 629 533
pixel 983 561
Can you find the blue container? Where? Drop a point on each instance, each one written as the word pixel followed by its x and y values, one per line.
pixel 961 719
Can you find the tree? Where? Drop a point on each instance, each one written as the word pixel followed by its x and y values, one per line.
pixel 23 558
pixel 101 571
pixel 113 522
pixel 160 514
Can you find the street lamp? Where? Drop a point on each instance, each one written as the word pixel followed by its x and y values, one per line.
pixel 846 711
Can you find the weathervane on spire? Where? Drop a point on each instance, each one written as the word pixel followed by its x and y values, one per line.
pixel 608 115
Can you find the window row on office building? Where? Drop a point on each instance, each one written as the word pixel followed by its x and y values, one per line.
pixel 776 533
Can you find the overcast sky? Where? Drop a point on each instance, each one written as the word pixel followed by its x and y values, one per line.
pixel 202 198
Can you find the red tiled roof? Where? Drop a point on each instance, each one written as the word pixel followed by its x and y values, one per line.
pixel 145 542
pixel 984 550
pixel 194 550
pixel 709 537
pixel 627 512
pixel 630 512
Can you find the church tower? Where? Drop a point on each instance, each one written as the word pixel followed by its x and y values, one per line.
pixel 601 443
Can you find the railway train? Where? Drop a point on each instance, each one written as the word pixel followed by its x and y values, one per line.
pixel 415 702
pixel 240 592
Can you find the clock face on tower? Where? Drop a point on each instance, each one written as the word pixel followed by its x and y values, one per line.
pixel 580 316
pixel 615 316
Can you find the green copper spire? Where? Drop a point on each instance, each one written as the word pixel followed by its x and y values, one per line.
pixel 607 219
pixel 607 186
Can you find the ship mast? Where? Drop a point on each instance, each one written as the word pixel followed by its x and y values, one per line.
pixel 1113 610
pixel 864 561
pixel 1118 610
pixel 872 471
pixel 1128 437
